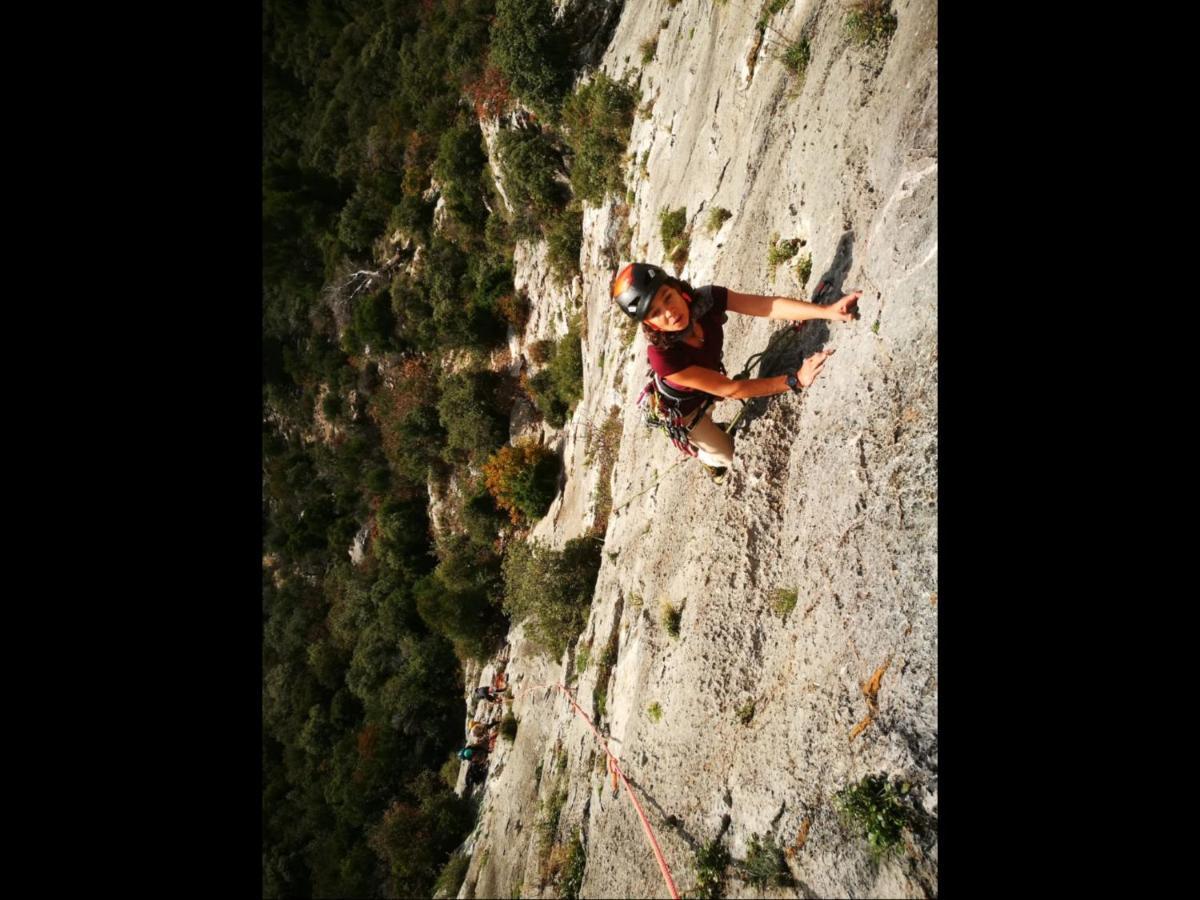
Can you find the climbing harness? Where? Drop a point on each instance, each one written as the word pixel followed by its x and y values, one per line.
pixel 663 406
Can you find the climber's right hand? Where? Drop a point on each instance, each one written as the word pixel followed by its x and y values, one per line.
pixel 811 367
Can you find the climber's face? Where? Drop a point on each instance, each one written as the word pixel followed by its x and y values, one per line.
pixel 668 310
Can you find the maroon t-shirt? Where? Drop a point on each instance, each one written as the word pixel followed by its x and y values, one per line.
pixel 680 356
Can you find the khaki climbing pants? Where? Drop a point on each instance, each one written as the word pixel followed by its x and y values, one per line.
pixel 714 445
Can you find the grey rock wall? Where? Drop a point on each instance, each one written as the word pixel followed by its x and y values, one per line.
pixel 833 493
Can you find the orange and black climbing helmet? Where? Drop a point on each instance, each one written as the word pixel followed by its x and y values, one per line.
pixel 634 288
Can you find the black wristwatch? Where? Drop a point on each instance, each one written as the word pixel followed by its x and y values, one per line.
pixel 793 382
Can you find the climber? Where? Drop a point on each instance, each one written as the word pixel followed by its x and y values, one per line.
pixel 473 752
pixel 488 693
pixel 684 328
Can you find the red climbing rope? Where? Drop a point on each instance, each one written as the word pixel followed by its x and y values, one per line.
pixel 615 767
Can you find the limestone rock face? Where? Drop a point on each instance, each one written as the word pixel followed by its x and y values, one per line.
pixel 832 494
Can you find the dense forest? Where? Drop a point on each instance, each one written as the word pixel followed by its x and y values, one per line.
pixel 387 287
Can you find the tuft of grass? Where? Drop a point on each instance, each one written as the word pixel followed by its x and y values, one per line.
pixel 624 244
pixel 645 159
pixel 781 251
pixel 541 352
pixel 711 862
pixel 648 48
pixel 552 807
pixel 878 809
pixel 746 712
pixel 582 657
pixel 804 268
pixel 766 863
pixel 654 711
pixel 769 9
pixel 875 327
pixel 629 330
pixel 675 238
pixel 873 24
pixel 679 257
pixel 717 217
pixel 608 439
pixel 671 616
pixel 796 57
pixel 608 659
pixel 783 602
pixel 508 726
pixel 663 23
pixel 572 874
pixel 673 225
pixel 553 855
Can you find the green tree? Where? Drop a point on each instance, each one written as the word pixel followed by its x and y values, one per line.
pixel 470 413
pixel 414 314
pixel 481 517
pixel 402 536
pixel 532 52
pixel 551 589
pixel 459 167
pixel 463 296
pixel 523 478
pixel 530 164
pixel 564 238
pixel 373 324
pixel 461 598
pixel 597 119
pixel 416 837
pixel 558 386
pixel 356 100
pixel 365 215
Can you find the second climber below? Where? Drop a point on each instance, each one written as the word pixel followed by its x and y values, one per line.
pixel 684 328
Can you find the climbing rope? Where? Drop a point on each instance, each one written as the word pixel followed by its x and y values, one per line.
pixel 653 484
pixel 615 768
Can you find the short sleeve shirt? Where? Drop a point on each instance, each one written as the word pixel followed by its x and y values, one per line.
pixel 679 357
